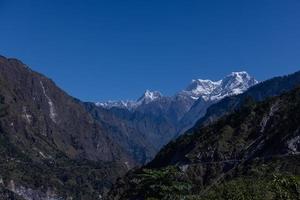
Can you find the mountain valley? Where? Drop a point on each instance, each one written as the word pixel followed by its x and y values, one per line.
pixel 212 138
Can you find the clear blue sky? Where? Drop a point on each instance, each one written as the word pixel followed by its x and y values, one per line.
pixel 115 49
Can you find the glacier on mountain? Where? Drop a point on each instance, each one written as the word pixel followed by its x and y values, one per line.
pixel 147 97
pixel 233 84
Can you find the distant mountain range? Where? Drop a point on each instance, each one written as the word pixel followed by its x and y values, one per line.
pixel 233 84
pixel 145 125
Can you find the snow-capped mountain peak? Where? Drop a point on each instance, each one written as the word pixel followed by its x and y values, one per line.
pixel 233 84
pixel 238 78
pixel 149 96
pixel 200 87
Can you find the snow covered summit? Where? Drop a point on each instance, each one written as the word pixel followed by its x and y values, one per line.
pixel 147 97
pixel 233 84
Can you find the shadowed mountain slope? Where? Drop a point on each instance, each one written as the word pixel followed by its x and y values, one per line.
pixel 252 153
pixel 50 144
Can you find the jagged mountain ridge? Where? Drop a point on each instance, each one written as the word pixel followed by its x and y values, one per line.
pixel 252 153
pixel 233 84
pixel 259 92
pixel 156 119
pixel 146 98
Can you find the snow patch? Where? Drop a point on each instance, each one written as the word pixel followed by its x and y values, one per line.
pixel 266 118
pixel 42 154
pixel 52 111
pixel 183 168
pixel 26 116
pixel 127 165
pixel 294 144
pixel 30 194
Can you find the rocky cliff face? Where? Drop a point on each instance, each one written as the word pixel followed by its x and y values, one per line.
pixel 252 153
pixel 45 129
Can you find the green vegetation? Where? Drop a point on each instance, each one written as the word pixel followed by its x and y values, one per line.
pixel 79 179
pixel 159 184
pixel 275 187
pixel 170 183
